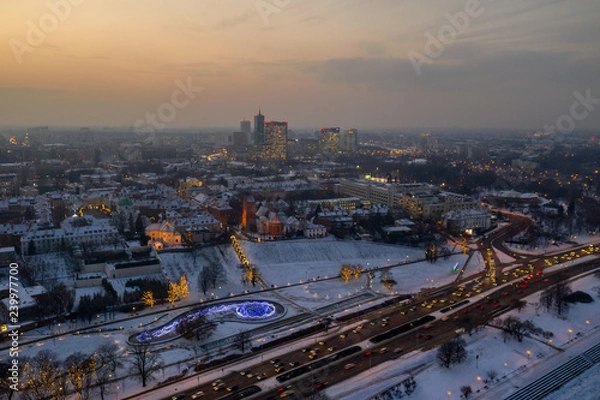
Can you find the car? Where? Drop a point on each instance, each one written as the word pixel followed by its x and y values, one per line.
pixel 319 385
pixel 220 386
pixel 177 397
pixel 312 356
pixel 349 366
pixel 398 350
pixel 245 372
pixel 368 353
pixel 261 376
pixel 304 350
pixel 286 393
pixel 342 336
pixel 321 343
pixel 383 350
pixel 198 395
pixel 294 363
pixel 331 348
pixel 217 382
pixel 250 374
pixel 274 360
pixel 232 388
pixel 279 370
pixel 278 365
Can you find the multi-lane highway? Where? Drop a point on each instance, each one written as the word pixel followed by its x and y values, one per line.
pixel 388 333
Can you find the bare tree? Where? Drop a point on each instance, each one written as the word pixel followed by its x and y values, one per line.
pixel 242 340
pixel 204 279
pixel 109 355
pixel 466 392
pixel 104 378
pixel 198 327
pixel 217 274
pixel 452 352
pixel 514 327
pixel 492 374
pixel 144 363
pixel 555 298
pixel 358 269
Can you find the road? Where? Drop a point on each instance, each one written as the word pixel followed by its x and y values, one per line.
pixel 453 307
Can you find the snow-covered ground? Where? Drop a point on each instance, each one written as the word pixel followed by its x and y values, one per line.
pixel 510 360
pixel 554 248
pixel 293 262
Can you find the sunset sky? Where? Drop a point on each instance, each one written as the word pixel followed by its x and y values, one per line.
pixel 312 62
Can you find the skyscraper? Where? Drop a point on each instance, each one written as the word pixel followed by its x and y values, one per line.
pixel 275 143
pixel 329 140
pixel 259 128
pixel 245 126
pixel 351 140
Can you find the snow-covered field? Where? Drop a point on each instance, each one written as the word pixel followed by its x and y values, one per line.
pixel 515 368
pixel 293 262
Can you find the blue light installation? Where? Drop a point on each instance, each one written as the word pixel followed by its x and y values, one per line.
pixel 248 310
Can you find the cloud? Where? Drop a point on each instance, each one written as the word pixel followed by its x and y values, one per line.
pixel 456 73
pixel 234 21
pixel 372 49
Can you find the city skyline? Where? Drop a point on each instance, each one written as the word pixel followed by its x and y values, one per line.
pixel 385 64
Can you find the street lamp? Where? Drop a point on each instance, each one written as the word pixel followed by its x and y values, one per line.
pixel 528 354
pixel 570 331
pixel 479 383
pixel 587 325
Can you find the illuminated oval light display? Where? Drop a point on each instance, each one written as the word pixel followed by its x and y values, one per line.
pixel 255 310
pixel 246 311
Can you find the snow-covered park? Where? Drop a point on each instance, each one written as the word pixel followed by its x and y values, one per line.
pixel 294 269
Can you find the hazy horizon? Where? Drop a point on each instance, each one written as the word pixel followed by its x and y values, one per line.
pixel 508 65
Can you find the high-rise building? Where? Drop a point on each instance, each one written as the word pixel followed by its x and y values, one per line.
pixel 259 128
pixel 245 126
pixel 329 140
pixel 240 139
pixel 351 140
pixel 275 141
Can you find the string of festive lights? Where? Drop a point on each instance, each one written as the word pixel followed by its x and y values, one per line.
pixel 251 310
